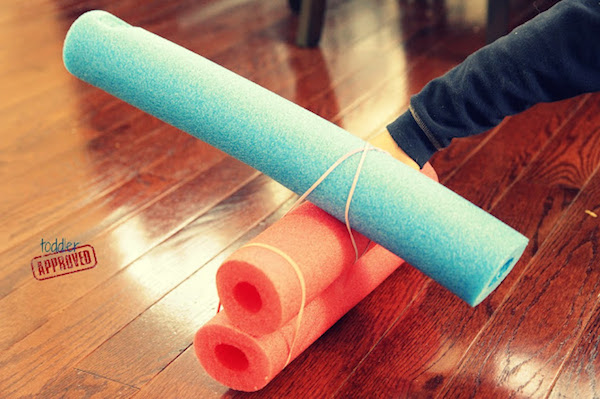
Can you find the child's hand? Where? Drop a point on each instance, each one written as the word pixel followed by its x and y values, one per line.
pixel 387 143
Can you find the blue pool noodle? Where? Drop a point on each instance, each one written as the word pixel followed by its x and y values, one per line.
pixel 460 246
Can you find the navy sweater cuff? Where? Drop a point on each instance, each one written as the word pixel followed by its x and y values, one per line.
pixel 554 56
pixel 411 139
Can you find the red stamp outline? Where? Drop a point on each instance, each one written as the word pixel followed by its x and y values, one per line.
pixel 53 273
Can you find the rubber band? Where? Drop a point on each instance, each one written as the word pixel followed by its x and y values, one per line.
pixel 337 163
pixel 294 265
pixel 302 287
pixel 349 199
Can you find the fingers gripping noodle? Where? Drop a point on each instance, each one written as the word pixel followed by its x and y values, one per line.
pixel 449 239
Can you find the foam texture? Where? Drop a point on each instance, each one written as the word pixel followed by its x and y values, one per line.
pixel 459 245
pixel 242 360
pixel 259 289
pixel 247 363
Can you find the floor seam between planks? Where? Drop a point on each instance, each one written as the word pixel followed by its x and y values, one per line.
pixel 383 335
pixel 513 287
pixel 106 378
pixel 577 341
pixel 125 217
pixel 580 105
pixel 575 347
pixel 286 203
pixel 175 231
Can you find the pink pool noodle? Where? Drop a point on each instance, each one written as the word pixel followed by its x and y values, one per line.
pixel 247 362
pixel 259 289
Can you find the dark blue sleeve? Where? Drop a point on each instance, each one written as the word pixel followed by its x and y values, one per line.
pixel 554 56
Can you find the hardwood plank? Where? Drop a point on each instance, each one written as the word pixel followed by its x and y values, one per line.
pixel 26 131
pixel 313 71
pixel 214 29
pixel 78 384
pixel 120 245
pixel 194 23
pixel 327 358
pixel 38 359
pixel 47 28
pixel 407 355
pixel 509 150
pixel 61 149
pixel 153 340
pixel 392 29
pixel 164 166
pixel 185 378
pixel 376 17
pixel 153 223
pixel 71 181
pixel 317 73
pixel 90 223
pixel 81 131
pixel 580 373
pixel 524 346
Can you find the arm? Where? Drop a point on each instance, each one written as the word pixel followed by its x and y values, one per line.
pixel 554 56
pixel 385 142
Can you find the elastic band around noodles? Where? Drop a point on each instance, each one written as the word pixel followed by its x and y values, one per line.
pixel 285 256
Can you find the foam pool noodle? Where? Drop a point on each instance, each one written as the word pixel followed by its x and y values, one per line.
pixel 259 289
pixel 465 249
pixel 248 362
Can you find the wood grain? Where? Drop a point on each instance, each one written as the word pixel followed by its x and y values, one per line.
pixel 523 348
pixel 78 384
pixel 130 196
pixel 579 377
pixel 121 244
pixel 422 367
pixel 88 322
pixel 163 209
pixel 162 332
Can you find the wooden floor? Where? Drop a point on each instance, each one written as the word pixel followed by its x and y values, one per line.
pixel 162 210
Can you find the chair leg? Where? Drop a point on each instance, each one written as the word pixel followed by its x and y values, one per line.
pixel 294 5
pixel 310 26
